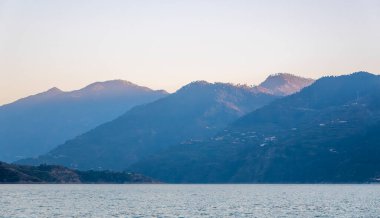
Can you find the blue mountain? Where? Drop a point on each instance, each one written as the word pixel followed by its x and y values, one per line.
pixel 34 125
pixel 328 132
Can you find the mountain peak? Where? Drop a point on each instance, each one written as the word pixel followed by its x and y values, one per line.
pixel 284 75
pixel 199 83
pixel 363 74
pixel 194 84
pixel 112 87
pixel 284 84
pixel 54 90
pixel 50 93
pixel 110 84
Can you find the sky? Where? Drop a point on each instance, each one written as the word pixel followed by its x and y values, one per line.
pixel 166 44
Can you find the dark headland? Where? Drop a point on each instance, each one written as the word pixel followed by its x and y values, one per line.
pixel 53 174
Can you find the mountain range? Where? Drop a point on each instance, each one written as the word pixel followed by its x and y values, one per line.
pixel 34 125
pixel 285 130
pixel 194 113
pixel 326 133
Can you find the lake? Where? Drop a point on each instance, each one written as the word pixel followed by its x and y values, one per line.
pixel 161 200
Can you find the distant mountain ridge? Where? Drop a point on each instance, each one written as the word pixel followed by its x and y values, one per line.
pixel 95 90
pixel 327 133
pixel 35 124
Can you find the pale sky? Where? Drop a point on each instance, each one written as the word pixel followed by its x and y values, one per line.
pixel 165 44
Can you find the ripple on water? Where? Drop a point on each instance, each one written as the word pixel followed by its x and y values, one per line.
pixel 190 200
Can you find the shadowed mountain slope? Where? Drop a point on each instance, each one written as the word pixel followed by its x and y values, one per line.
pixel 328 132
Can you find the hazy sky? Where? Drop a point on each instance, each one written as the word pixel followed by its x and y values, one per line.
pixel 166 44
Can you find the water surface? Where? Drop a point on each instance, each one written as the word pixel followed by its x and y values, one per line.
pixel 190 201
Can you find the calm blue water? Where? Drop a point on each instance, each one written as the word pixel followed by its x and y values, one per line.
pixel 190 201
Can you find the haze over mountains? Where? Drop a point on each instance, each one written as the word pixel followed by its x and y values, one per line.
pixel 194 113
pixel 328 132
pixel 35 124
